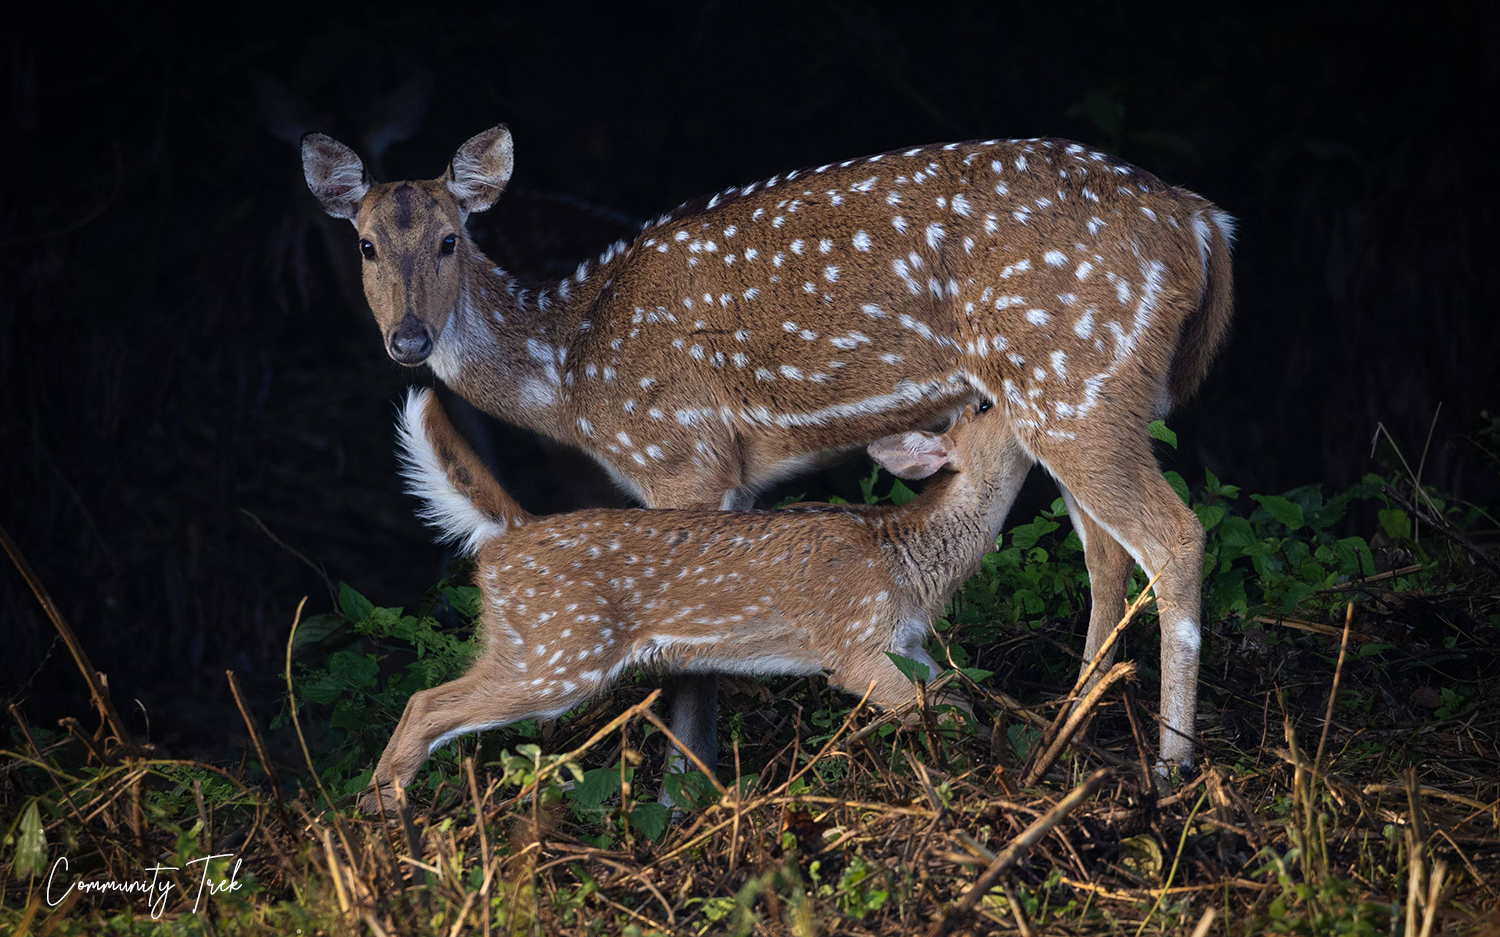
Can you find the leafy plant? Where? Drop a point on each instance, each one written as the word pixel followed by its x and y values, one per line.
pixel 364 693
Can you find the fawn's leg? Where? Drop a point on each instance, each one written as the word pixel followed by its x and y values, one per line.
pixel 478 700
pixel 695 698
pixel 892 688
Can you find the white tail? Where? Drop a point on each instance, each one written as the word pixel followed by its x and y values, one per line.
pixel 748 336
pixel 445 505
pixel 572 601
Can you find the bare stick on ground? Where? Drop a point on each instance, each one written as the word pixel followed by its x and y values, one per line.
pixel 1333 694
pixel 1442 527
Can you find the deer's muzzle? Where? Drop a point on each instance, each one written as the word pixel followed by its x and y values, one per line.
pixel 410 343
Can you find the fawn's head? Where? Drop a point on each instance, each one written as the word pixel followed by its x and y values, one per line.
pixel 975 445
pixel 411 234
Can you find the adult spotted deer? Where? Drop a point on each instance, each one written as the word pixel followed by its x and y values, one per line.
pixel 748 336
pixel 571 601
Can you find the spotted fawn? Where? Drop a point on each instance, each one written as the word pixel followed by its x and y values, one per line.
pixel 570 602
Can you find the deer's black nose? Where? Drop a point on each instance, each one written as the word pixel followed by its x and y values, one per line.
pixel 410 343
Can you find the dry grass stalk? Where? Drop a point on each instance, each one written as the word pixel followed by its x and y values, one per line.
pixel 98 690
pixel 1017 850
pixel 1043 762
pixel 1333 693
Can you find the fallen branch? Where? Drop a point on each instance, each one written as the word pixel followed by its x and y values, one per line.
pixel 1441 526
pixel 1315 627
pixel 260 747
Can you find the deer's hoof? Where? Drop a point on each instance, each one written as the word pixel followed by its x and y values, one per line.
pixel 372 804
pixel 1172 776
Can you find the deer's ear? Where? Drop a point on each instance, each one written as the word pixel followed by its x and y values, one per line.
pixel 335 174
pixel 912 455
pixel 481 169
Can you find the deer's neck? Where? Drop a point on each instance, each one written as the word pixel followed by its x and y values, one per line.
pixel 940 537
pixel 505 347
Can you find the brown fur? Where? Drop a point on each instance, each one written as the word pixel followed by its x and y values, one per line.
pixel 747 337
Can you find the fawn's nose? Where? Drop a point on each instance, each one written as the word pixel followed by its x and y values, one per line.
pixel 410 344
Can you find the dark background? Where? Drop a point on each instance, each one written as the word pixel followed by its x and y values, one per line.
pixel 183 341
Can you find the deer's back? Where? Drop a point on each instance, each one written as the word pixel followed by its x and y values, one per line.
pixel 842 301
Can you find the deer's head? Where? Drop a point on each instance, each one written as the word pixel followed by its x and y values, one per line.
pixel 411 235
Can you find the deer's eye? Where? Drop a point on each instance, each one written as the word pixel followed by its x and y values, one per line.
pixel 449 243
pixel 366 248
pixel 986 405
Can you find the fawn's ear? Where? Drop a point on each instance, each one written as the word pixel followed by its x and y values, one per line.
pixel 480 169
pixel 335 174
pixel 912 455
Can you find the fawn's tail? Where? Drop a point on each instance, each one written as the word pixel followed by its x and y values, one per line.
pixel 1207 328
pixel 459 495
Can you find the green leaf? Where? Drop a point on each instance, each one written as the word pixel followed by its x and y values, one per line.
pixel 1280 509
pixel 1296 594
pixel 1025 536
pixel 1021 738
pixel 31 847
pixel 1228 593
pixel 1236 532
pixel 1179 485
pixel 597 786
pixel 315 629
pixel 1396 524
pixel 354 669
pixel 1209 515
pixel 691 790
pixel 354 606
pixel 465 600
pixel 1354 556
pixel 1212 487
pixel 357 783
pixel 913 670
pixel 976 674
pixel 1158 430
pixel 650 819
pixel 900 494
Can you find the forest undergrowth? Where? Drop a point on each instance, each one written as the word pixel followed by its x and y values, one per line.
pixel 1349 784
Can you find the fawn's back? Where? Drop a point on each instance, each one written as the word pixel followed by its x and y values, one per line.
pixel 654 588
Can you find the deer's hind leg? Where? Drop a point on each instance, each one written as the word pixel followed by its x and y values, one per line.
pixel 1110 567
pixel 1112 476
